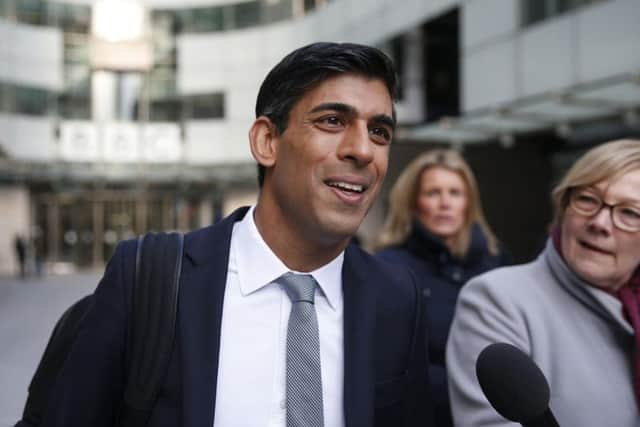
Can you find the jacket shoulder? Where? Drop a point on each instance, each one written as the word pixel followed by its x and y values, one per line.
pixel 386 272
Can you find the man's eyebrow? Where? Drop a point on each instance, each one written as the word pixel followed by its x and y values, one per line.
pixel 345 108
pixel 385 120
pixel 333 106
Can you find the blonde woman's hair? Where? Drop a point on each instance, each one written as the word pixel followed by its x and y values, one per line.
pixel 604 162
pixel 404 195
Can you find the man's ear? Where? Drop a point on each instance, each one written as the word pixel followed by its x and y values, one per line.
pixel 263 138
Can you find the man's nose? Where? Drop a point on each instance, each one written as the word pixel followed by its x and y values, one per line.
pixel 357 145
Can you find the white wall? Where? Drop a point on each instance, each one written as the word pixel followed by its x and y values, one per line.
pixel 28 138
pixel 502 62
pixel 14 203
pixel 31 55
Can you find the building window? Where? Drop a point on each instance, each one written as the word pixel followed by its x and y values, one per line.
pixel 246 14
pixel 199 20
pixel 32 12
pixel 277 11
pixel 71 18
pixel 4 98
pixel 75 105
pixel 309 5
pixel 397 52
pixel 30 101
pixel 4 9
pixel 538 10
pixel 165 110
pixel 209 106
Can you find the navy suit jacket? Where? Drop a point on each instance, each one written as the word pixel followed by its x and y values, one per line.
pixel 385 362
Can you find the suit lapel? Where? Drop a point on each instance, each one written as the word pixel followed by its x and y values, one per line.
pixel 200 315
pixel 359 327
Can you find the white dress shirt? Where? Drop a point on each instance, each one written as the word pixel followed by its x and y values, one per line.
pixel 251 388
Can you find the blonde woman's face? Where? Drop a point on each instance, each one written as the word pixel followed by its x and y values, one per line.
pixel 442 202
pixel 595 249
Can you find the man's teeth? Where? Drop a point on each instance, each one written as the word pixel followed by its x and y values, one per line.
pixel 349 187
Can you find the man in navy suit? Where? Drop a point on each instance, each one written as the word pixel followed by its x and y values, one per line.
pixel 324 122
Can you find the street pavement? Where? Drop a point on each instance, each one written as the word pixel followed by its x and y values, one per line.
pixel 28 311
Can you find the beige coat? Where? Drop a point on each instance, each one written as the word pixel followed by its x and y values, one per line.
pixel 575 333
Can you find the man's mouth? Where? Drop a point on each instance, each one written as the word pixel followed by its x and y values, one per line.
pixel 348 187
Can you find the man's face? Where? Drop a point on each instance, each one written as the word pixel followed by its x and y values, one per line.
pixel 332 158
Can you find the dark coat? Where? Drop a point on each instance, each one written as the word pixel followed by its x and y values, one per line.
pixel 382 332
pixel 441 276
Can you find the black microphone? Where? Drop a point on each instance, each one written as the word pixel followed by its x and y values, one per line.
pixel 514 385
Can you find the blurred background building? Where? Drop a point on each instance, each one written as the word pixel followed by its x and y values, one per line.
pixel 121 116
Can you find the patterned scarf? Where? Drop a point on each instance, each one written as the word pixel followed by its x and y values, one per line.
pixel 629 295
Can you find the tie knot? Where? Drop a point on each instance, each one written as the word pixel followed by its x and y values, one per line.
pixel 299 287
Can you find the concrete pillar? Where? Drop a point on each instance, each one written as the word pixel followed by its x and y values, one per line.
pixel 53 229
pixel 98 233
pixel 168 214
pixel 141 215
pixel 182 211
pixel 205 212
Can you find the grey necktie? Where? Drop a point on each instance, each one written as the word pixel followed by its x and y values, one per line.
pixel 304 380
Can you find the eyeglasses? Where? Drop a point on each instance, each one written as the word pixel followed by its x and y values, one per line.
pixel 624 216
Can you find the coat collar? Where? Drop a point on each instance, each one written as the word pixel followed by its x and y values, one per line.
pixel 200 317
pixel 428 246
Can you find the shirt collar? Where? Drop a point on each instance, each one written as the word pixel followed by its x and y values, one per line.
pixel 258 266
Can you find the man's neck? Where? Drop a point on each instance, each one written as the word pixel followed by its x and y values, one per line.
pixel 295 248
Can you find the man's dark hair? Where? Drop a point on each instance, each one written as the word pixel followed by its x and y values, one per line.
pixel 304 68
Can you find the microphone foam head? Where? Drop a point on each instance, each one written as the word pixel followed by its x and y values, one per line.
pixel 512 382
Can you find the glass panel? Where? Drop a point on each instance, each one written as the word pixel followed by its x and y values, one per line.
pixel 4 98
pixel 398 56
pixel 198 20
pixel 164 21
pixel 4 10
pixel 210 106
pixel 72 18
pixel 246 14
pixel 165 110
pixel 538 10
pixel 31 101
pixel 278 11
pixel 533 11
pixel 309 5
pixel 76 77
pixel 162 82
pixel 31 12
pixel 75 106
pixel 76 48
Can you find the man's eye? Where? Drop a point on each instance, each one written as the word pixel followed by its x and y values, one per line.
pixel 381 133
pixel 331 121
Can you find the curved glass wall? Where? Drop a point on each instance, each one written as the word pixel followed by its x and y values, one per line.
pixel 76 18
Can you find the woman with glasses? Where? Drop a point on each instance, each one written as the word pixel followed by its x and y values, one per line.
pixel 575 309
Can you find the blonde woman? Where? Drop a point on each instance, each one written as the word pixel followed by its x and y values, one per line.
pixel 575 309
pixel 437 228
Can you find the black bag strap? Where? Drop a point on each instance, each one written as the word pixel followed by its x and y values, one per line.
pixel 152 326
